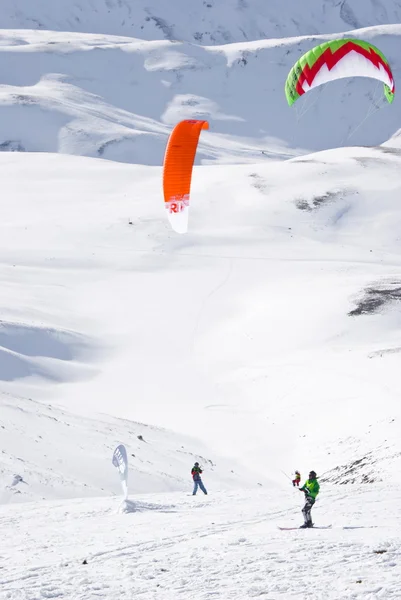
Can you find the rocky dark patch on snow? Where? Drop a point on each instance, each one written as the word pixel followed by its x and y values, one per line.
pixel 376 298
pixel 369 162
pixel 384 351
pixel 167 29
pixel 11 146
pixel 259 182
pixel 317 201
pixel 360 470
pixel 389 150
pixel 24 99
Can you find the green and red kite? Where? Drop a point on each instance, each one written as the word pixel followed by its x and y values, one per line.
pixel 335 60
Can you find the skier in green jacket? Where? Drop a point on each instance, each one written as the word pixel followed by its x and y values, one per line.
pixel 311 489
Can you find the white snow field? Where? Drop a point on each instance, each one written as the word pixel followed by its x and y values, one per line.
pixel 266 339
pixel 240 333
pixel 225 547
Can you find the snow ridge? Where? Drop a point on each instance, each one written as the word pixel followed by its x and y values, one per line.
pixel 103 95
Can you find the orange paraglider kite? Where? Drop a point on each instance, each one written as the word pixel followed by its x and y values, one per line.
pixel 177 171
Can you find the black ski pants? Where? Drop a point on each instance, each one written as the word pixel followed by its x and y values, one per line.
pixel 309 502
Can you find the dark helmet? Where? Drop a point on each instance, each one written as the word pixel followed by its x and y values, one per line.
pixel 196 464
pixel 312 475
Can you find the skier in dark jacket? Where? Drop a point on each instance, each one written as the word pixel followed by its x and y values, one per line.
pixel 311 489
pixel 196 476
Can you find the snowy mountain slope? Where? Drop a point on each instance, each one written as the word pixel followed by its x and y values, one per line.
pixel 280 308
pixel 201 21
pixel 270 331
pixel 118 98
pixel 223 547
pixel 48 452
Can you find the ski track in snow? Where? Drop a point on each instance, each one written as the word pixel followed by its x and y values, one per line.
pixel 226 546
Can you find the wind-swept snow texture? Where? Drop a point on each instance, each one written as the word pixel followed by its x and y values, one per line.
pixel 92 92
pixel 223 547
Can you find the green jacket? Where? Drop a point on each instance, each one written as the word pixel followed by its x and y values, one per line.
pixel 312 487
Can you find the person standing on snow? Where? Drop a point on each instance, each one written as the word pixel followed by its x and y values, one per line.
pixel 297 479
pixel 196 476
pixel 311 489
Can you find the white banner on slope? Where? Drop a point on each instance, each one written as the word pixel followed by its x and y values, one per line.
pixel 120 461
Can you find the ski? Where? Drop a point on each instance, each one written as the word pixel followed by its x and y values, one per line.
pixel 314 527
